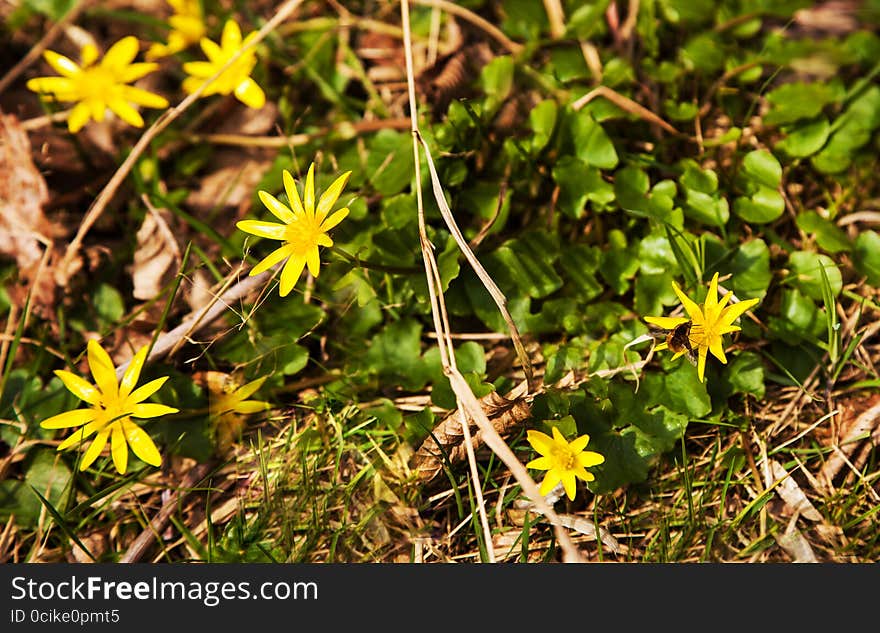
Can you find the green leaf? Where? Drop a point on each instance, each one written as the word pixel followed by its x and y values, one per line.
pixel 580 262
pixel 395 354
pixel 497 81
pixel 805 270
pixel 806 139
pixel 390 162
pixel 762 167
pixel 109 303
pixel 745 374
pixel 765 205
pixel 579 184
pixel 529 261
pixel 543 121
pixel 828 235
pixel 866 256
pixel 47 471
pixel 591 143
pixel 631 186
pixel 750 267
pixel 792 102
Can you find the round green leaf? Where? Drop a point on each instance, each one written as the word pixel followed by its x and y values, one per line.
pixel 807 276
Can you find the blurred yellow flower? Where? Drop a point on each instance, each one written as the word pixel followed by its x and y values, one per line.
pixel 236 79
pixel 228 404
pixel 187 27
pixel 708 324
pixel 304 227
pixel 98 86
pixel 563 460
pixel 112 407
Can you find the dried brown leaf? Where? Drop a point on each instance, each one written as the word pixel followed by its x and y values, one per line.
pixel 23 192
pixel 447 438
pixel 157 257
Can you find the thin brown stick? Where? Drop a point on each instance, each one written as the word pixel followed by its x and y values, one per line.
pixel 476 20
pixel 139 546
pixel 556 17
pixel 63 271
pixel 43 44
pixel 466 400
pixel 295 140
pixel 624 103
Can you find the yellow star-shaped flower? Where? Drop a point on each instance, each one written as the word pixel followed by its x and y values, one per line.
pixel 236 79
pixel 563 460
pixel 187 27
pixel 113 404
pixel 99 86
pixel 304 227
pixel 228 404
pixel 708 324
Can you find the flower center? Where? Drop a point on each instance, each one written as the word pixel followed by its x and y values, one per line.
pixel 303 234
pixel 97 83
pixel 565 457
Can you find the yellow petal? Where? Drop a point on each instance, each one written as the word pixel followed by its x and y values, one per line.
pixel 322 239
pixel 247 390
pixel 136 71
pixel 94 449
pixel 61 64
pixel 132 372
pixel 290 273
pixel 127 113
pixel 102 369
pixel 121 54
pixel 79 387
pixel 202 70
pixel 309 191
pixel 80 435
pixel 141 444
pixel 334 219
pixel 661 346
pixel 717 349
pixel 212 51
pixel 272 258
pixel 292 193
pixel 580 443
pixel 269 230
pixel 87 55
pixel 151 410
pixel 313 261
pixel 690 307
pixel 277 208
pixel 589 458
pixel 69 419
pixel 146 390
pixel 711 301
pixel 144 98
pixel 251 406
pixel 119 449
pixel 667 323
pixel 550 481
pixel 568 482
pixel 57 85
pixel 541 463
pixel 249 93
pixel 329 197
pixel 541 442
pixel 701 364
pixel 79 116
pixel 558 437
pixel 732 312
pixel 230 40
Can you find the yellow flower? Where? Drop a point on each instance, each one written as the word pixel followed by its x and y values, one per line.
pixel 235 79
pixel 304 227
pixel 228 404
pixel 562 459
pixel 708 324
pixel 187 27
pixel 112 407
pixel 96 87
